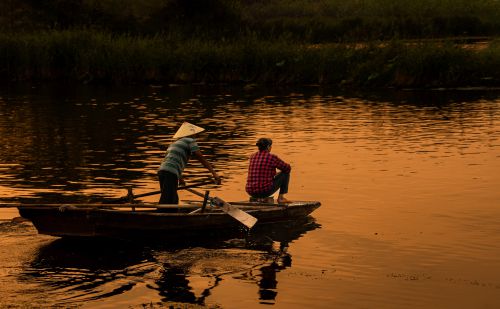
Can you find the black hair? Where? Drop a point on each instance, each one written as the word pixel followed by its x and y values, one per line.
pixel 264 143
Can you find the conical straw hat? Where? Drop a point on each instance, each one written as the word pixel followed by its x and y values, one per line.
pixel 187 129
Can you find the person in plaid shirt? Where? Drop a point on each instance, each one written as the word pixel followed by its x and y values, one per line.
pixel 262 179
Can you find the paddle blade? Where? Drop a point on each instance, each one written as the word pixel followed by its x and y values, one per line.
pixel 245 218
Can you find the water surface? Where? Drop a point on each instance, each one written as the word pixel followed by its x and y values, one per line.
pixel 408 183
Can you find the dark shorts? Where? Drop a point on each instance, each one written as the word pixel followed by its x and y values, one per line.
pixel 169 183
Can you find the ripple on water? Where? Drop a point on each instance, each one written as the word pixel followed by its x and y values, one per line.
pixel 408 181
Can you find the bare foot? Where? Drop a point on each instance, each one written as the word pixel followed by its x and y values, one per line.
pixel 283 201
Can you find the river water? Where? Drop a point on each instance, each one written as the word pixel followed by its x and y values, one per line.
pixel 408 180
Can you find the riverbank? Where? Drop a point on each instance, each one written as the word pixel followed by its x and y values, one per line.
pixel 100 57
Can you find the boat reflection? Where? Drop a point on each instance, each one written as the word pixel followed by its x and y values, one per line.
pixel 75 272
pixel 194 281
pixel 191 274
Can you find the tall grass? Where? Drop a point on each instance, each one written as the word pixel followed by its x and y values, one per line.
pixel 92 56
pixel 311 20
pixel 334 20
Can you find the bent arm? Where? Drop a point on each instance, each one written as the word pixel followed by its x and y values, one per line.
pixel 282 165
pixel 198 155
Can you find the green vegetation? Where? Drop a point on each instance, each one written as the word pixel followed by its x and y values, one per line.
pixel 357 42
pixel 305 20
pixel 354 20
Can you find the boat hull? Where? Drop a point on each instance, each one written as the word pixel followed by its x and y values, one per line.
pixel 151 224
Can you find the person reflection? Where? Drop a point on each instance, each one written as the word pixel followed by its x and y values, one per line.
pixel 174 286
pixel 268 283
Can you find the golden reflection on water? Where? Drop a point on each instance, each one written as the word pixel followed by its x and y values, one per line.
pixel 408 185
pixel 409 194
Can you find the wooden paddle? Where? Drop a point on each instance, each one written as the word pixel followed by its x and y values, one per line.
pixel 243 217
pixel 117 206
pixel 130 196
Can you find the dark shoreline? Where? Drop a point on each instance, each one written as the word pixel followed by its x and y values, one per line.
pixel 90 57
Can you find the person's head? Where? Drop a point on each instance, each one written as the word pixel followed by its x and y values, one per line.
pixel 264 143
pixel 187 129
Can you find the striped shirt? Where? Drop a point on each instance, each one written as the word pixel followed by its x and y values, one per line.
pixel 262 170
pixel 178 154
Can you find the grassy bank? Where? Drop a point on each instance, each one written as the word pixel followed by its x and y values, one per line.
pixel 94 56
pixel 340 20
pixel 305 20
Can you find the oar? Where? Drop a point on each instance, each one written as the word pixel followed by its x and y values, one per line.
pixel 243 217
pixel 130 196
pixel 117 206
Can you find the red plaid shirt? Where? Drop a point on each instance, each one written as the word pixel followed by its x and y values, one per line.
pixel 262 170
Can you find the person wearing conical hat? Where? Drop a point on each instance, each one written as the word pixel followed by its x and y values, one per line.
pixel 176 159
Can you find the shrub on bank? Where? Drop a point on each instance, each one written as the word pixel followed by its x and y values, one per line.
pixel 309 21
pixel 90 56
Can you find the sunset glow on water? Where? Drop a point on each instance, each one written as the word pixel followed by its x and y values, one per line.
pixel 408 183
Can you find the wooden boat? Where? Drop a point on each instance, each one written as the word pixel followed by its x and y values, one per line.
pixel 152 221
